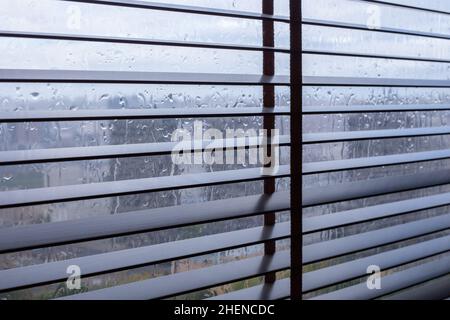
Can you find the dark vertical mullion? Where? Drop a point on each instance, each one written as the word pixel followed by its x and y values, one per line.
pixel 296 148
pixel 269 120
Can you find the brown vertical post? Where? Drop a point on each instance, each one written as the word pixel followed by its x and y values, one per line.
pixel 269 120
pixel 296 148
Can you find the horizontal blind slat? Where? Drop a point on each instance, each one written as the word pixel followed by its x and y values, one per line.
pixel 391 283
pixel 15 157
pixel 185 282
pixel 374 108
pixel 186 9
pixel 114 114
pixel 137 41
pixel 125 187
pixel 376 161
pixel 359 26
pixel 88 76
pixel 314 196
pixel 328 276
pixel 327 137
pixel 100 227
pixel 369 213
pixel 371 239
pixel 373 82
pixel 268 291
pixel 437 289
pixel 131 258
